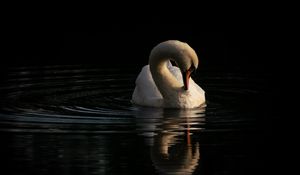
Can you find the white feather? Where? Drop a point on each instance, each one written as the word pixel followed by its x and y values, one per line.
pixel 146 92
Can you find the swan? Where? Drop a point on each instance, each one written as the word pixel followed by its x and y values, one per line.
pixel 159 84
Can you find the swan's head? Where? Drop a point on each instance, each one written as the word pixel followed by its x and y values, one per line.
pixel 187 62
pixel 180 52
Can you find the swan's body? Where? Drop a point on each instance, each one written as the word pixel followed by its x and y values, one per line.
pixel 162 85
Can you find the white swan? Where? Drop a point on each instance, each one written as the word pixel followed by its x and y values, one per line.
pixel 160 84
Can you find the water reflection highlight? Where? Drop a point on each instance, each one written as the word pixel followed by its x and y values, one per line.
pixel 169 134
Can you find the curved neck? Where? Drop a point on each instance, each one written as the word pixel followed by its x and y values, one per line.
pixel 165 81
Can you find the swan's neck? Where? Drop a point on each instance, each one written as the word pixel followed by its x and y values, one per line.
pixel 165 81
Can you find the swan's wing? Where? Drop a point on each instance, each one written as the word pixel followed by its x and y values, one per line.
pixel 146 92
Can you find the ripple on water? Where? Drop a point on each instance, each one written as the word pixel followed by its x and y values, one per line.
pixel 87 99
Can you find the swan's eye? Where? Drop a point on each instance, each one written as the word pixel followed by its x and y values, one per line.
pixel 192 68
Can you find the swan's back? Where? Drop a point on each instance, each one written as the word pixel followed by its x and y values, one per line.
pixel 146 92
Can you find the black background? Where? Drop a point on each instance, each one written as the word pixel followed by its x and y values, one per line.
pixel 127 44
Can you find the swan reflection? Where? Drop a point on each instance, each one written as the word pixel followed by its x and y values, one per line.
pixel 169 132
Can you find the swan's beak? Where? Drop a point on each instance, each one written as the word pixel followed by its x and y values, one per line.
pixel 186 78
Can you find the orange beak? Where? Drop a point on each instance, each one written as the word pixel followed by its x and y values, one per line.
pixel 186 79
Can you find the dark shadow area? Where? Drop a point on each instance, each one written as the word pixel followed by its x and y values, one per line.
pixel 130 44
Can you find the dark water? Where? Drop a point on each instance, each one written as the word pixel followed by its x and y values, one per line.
pixel 79 120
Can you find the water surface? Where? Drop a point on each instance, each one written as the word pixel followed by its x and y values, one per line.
pixel 76 119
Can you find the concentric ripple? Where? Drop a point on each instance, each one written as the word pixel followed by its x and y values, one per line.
pixel 89 99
